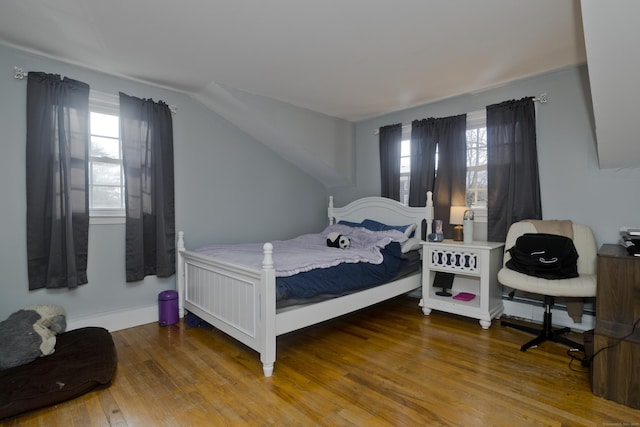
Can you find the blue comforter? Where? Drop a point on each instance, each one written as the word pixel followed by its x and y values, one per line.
pixel 341 279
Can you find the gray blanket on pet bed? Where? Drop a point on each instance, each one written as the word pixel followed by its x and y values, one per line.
pixel 30 333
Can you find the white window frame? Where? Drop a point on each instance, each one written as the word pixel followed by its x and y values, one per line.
pixel 476 119
pixel 105 103
pixel 405 177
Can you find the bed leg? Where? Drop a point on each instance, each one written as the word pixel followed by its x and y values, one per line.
pixel 267 300
pixel 267 368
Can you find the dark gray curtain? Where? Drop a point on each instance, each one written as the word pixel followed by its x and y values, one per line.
pixel 423 161
pixel 146 131
pixel 57 181
pixel 512 166
pixel 450 183
pixel 390 145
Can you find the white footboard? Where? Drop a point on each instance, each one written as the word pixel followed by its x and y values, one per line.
pixel 237 300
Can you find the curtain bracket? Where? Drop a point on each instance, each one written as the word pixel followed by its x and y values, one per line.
pixel 18 73
pixel 542 98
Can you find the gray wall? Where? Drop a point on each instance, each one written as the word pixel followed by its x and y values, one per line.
pixel 572 185
pixel 229 188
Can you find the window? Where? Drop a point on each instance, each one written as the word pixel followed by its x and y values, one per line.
pixel 106 177
pixel 476 194
pixel 405 166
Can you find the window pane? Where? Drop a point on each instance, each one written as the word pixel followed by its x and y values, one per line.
pixel 477 166
pixel 106 179
pixel 405 148
pixel 405 164
pixel 481 176
pixel 105 125
pixel 105 147
pixel 472 156
pixel 105 173
pixel 106 197
pixel 404 189
pixel 472 135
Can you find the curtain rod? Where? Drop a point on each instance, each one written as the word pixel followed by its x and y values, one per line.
pixel 20 74
pixel 542 99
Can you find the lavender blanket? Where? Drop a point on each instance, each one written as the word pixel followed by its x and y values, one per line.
pixel 309 251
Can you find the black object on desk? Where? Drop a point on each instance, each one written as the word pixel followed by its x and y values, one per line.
pixel 445 281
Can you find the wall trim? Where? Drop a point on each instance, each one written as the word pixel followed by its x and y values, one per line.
pixel 117 320
pixel 123 319
pixel 535 313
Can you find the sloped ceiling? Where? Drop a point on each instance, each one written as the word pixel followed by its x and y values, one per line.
pixel 612 39
pixel 345 60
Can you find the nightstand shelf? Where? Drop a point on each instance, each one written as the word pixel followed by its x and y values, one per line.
pixel 475 267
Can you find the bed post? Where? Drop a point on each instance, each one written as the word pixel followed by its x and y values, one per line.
pixel 330 211
pixel 180 273
pixel 429 213
pixel 268 311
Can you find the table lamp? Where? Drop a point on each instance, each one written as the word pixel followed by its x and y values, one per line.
pixel 456 219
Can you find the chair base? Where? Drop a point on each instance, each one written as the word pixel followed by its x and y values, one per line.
pixel 547 333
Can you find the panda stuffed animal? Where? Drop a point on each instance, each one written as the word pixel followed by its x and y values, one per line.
pixel 337 240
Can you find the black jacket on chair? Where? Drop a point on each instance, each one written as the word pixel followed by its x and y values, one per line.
pixel 549 256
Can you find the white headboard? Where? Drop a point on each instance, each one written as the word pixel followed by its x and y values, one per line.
pixel 381 209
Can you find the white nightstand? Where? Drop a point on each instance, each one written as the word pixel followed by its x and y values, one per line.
pixel 475 267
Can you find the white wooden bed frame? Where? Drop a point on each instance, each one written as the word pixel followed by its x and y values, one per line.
pixel 241 301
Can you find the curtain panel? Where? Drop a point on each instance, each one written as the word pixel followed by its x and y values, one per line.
pixel 423 161
pixel 512 166
pixel 146 131
pixel 390 150
pixel 57 181
pixel 451 178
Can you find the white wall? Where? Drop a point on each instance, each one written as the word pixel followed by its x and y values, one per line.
pixel 319 144
pixel 228 187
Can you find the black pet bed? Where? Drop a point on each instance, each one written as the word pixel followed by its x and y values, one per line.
pixel 84 359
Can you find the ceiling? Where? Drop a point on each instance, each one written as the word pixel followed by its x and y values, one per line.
pixel 349 59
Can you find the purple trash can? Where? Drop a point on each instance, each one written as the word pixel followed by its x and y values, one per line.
pixel 168 308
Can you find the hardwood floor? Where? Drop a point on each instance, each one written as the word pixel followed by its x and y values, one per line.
pixel 385 365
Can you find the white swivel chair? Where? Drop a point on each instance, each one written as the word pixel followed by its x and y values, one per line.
pixel 582 286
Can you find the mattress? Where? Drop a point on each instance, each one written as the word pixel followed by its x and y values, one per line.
pixel 324 283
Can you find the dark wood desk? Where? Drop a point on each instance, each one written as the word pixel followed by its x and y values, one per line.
pixel 616 369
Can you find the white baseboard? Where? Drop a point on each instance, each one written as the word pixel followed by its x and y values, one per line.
pixel 123 319
pixel 117 320
pixel 535 313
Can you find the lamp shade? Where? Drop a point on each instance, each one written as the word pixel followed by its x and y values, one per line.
pixel 457 215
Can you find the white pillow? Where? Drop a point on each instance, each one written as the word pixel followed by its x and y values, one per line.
pixel 410 245
pixel 410 229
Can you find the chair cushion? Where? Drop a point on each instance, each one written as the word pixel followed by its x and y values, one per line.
pixel 84 359
pixel 581 286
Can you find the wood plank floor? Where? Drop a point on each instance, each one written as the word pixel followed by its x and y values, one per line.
pixel 387 365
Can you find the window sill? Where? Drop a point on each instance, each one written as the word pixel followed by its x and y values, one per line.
pixel 105 220
pixel 105 217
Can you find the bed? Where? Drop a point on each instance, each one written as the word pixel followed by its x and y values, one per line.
pixel 240 300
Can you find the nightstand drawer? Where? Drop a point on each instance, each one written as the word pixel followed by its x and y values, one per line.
pixel 454 259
